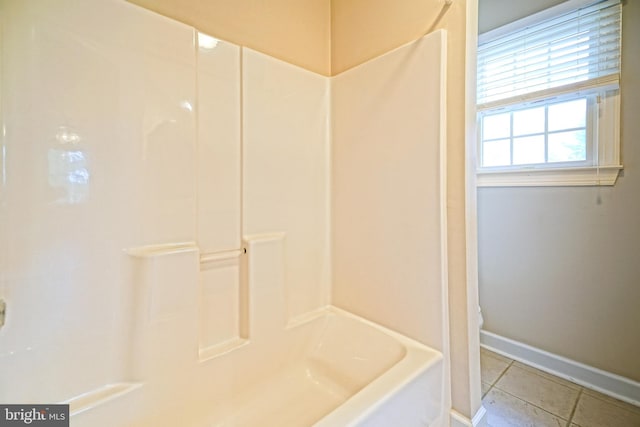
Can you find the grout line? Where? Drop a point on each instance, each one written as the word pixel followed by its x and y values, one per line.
pixel 590 377
pixel 575 406
pixel 534 405
pixel 547 375
pixel 503 372
pixel 620 404
pixel 487 392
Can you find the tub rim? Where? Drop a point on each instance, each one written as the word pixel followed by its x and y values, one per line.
pixel 418 359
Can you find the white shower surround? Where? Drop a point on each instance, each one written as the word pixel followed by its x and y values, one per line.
pixel 175 223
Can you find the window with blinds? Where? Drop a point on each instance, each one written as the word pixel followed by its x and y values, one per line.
pixel 579 46
pixel 548 99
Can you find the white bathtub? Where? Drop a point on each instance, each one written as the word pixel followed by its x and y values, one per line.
pixel 386 379
pixel 337 370
pixel 331 370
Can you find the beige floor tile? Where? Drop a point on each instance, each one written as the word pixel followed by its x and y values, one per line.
pixel 495 355
pixel 492 366
pixel 548 376
pixel 504 410
pixel 485 388
pixel 623 405
pixel 538 390
pixel 594 412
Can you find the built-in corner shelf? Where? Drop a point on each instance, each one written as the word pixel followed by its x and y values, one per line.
pixel 160 250
pixel 217 350
pixel 100 396
pixel 221 256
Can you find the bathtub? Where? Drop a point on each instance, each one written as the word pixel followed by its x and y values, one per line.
pixel 352 372
pixel 331 369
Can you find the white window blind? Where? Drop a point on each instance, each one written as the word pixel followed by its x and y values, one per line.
pixel 579 46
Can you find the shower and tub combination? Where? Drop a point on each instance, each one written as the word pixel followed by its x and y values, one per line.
pixel 197 234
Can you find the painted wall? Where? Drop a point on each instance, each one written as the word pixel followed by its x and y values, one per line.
pixel 559 267
pixel 296 31
pixel 495 13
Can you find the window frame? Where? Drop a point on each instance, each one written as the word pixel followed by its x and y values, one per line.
pixel 602 166
pixel 590 130
pixel 605 148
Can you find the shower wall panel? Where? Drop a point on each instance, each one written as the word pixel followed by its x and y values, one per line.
pixel 219 194
pixel 388 190
pixel 219 145
pixel 286 171
pixel 126 193
pixel 98 148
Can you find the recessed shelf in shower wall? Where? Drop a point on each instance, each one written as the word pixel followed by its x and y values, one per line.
pixel 223 323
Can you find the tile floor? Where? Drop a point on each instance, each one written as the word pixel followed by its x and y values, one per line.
pixel 517 395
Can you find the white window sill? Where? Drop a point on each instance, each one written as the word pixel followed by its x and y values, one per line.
pixel 565 177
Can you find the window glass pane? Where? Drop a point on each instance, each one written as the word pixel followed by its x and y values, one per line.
pixel 496 126
pixel 526 122
pixel 528 150
pixel 568 115
pixel 567 146
pixel 496 153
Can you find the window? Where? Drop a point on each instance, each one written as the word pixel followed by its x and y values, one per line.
pixel 548 95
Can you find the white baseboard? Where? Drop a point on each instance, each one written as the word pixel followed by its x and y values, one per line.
pixel 459 420
pixel 480 418
pixel 587 376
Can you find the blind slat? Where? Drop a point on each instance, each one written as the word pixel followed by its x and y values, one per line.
pixel 574 34
pixel 602 6
pixel 551 33
pixel 570 20
pixel 578 46
pixel 551 53
pixel 519 71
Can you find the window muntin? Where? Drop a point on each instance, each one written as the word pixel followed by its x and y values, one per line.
pixel 555 133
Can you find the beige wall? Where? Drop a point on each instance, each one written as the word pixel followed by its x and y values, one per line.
pixel 495 13
pixel 296 31
pixel 560 267
pixel 364 29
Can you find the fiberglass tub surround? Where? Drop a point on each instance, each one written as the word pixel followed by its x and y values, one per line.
pixel 181 218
